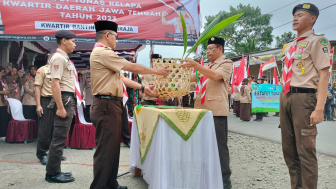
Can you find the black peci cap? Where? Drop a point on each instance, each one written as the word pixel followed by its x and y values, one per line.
pixel 180 8
pixel 156 56
pixel 106 25
pixel 251 76
pixel 67 34
pixel 217 41
pixel 308 7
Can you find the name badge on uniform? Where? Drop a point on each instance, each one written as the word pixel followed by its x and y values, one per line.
pixel 304 44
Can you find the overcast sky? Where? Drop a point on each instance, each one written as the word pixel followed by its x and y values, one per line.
pixel 282 13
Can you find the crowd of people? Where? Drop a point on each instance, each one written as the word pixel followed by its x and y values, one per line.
pixel 19 85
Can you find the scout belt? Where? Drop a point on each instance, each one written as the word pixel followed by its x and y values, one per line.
pixel 302 90
pixel 108 97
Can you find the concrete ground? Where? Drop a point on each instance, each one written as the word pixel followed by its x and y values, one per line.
pixel 255 152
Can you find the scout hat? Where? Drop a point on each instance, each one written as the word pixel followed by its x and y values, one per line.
pixel 67 34
pixel 217 41
pixel 156 56
pixel 308 7
pixel 106 25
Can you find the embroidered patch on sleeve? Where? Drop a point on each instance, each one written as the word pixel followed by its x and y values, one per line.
pixel 325 49
pixel 324 41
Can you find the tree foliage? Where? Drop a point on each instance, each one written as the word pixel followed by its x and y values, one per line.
pixel 253 32
pixel 284 38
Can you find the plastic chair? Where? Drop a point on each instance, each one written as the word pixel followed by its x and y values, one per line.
pixel 19 128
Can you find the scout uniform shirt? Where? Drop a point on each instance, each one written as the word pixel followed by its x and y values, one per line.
pixel 246 96
pixel 312 55
pixel 43 79
pixel 216 94
pixel 61 68
pixel 85 83
pixel 105 66
pixel 148 80
pixel 3 102
pixel 236 93
pixel 29 92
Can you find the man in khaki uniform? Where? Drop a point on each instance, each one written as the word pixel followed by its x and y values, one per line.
pixel 218 73
pixel 43 95
pixel 85 84
pixel 106 108
pixel 63 90
pixel 303 98
pixel 147 81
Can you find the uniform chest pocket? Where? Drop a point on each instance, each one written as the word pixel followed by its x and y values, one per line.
pixel 300 62
pixel 70 67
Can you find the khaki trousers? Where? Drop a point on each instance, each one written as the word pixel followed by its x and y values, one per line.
pixel 106 117
pixel 299 138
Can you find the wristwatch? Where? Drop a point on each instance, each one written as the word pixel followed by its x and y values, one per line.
pixel 142 88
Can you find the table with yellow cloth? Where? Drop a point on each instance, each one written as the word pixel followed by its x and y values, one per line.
pixel 175 148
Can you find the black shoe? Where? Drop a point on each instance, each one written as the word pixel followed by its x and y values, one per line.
pixel 68 174
pixel 256 119
pixel 128 144
pixel 44 160
pixel 60 178
pixel 121 187
pixel 227 184
pixel 63 158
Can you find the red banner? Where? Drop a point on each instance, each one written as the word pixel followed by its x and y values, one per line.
pixel 146 21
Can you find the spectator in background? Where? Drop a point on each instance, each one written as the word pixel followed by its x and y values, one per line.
pixel 236 103
pixel 245 101
pixel 329 101
pixel 5 116
pixel 333 106
pixel 85 87
pixel 80 75
pixel 14 81
pixel 260 116
pixel 28 100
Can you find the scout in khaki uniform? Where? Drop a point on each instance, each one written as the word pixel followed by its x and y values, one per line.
pixel 147 81
pixel 236 101
pixel 106 108
pixel 218 73
pixel 62 103
pixel 15 81
pixel 5 116
pixel 43 95
pixel 305 84
pixel 260 116
pixel 245 101
pixel 85 85
pixel 28 100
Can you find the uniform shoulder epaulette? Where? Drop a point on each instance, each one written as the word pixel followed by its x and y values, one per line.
pixel 319 34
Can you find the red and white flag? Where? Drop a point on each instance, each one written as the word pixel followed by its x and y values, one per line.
pixel 151 51
pixel 233 77
pixel 260 71
pixel 20 59
pixel 275 77
pixel 241 73
pixel 269 64
pixel 125 95
pixel 331 61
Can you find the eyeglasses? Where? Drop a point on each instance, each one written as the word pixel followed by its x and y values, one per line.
pixel 211 48
pixel 116 36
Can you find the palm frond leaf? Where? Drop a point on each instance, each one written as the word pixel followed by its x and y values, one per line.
pixel 213 29
pixel 185 36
